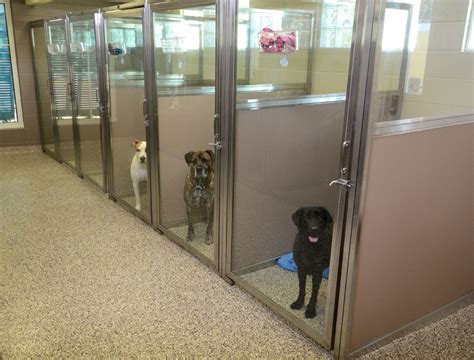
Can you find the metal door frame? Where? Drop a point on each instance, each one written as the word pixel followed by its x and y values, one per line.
pixel 50 84
pixel 34 25
pixel 92 15
pixel 69 92
pixel 226 77
pixel 73 99
pixel 103 96
pixel 368 29
pixel 352 145
pixel 152 112
pixel 136 8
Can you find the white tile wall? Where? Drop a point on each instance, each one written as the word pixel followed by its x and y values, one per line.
pixel 448 80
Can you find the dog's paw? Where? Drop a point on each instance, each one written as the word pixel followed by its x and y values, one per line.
pixel 209 241
pixel 298 304
pixel 138 207
pixel 310 313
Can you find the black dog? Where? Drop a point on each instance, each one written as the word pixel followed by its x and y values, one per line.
pixel 312 252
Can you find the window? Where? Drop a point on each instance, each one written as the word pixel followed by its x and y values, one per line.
pixel 469 33
pixel 10 106
pixel 395 29
pixel 336 24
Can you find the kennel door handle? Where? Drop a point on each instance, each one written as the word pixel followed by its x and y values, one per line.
pixel 145 113
pixel 346 184
pixel 69 90
pixel 217 145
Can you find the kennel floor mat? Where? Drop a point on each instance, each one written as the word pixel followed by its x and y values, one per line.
pixel 198 244
pixel 282 287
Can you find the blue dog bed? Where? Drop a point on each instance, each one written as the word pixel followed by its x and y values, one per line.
pixel 288 263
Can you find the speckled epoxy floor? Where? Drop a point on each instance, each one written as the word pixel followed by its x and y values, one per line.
pixel 80 277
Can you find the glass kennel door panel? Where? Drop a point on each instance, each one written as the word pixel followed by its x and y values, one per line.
pixel 43 92
pixel 393 61
pixel 86 105
pixel 185 48
pixel 126 90
pixel 288 149
pixel 61 89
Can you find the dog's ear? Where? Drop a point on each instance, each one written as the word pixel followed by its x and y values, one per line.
pixel 296 217
pixel 136 144
pixel 188 157
pixel 327 217
pixel 211 154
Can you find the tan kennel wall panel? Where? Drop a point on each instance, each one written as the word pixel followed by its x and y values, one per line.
pixel 186 123
pixel 417 233
pixel 285 158
pixel 126 125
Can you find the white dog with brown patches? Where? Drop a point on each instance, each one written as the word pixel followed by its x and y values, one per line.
pixel 138 170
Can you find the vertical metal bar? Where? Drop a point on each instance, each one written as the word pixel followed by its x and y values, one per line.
pixel 248 51
pixel 101 56
pixel 201 52
pixel 361 83
pixel 226 70
pixel 54 115
pixel 405 58
pixel 311 49
pixel 75 128
pixel 37 89
pixel 151 113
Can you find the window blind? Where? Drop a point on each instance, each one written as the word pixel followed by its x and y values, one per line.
pixel 7 94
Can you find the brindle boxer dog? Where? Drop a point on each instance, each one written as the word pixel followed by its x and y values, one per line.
pixel 199 191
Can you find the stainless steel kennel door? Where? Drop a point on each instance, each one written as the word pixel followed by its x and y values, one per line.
pixel 129 169
pixel 47 125
pixel 62 91
pixel 185 85
pixel 291 140
pixel 86 100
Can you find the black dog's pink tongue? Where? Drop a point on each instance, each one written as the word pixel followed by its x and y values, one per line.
pixel 313 239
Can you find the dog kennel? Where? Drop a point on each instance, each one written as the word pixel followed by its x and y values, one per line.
pixel 341 104
pixel 67 86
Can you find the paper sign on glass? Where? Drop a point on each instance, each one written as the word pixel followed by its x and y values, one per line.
pixel 278 42
pixel 173 45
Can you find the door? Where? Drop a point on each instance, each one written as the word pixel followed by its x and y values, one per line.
pixel 86 101
pixel 62 90
pixel 129 178
pixel 185 85
pixel 43 91
pixel 291 147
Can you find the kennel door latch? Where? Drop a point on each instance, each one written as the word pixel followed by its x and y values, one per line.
pixel 217 145
pixel 146 121
pixel 346 184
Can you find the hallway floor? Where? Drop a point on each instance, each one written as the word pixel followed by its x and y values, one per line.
pixel 81 277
